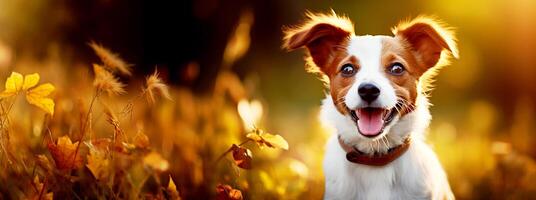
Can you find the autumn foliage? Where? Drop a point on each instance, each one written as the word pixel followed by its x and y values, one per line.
pixel 76 156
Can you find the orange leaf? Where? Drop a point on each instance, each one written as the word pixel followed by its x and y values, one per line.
pixel 141 140
pixel 235 194
pixel 226 192
pixel 39 191
pixel 63 152
pixel 101 143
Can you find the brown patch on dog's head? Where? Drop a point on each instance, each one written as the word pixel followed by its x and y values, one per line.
pixel 339 85
pixel 325 36
pixel 432 44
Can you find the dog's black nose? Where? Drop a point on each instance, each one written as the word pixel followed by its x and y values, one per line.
pixel 368 92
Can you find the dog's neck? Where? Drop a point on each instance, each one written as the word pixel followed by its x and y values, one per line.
pixel 358 157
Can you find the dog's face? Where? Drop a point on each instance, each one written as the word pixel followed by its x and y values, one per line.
pixel 373 80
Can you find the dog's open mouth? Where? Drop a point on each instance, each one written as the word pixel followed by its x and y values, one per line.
pixel 371 121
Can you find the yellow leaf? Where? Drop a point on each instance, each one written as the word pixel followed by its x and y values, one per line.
pixel 47 104
pixel 37 97
pixel 275 141
pixel 266 139
pixel 30 81
pixel 171 185
pixel 172 189
pixel 156 161
pixel 42 90
pixel 98 164
pixel 14 82
pixel 13 85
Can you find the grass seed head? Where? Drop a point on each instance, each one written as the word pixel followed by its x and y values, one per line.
pixel 106 82
pixel 111 60
pixel 155 86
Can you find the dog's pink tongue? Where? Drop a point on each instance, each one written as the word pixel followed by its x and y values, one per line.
pixel 370 122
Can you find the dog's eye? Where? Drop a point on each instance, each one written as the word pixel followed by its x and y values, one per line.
pixel 396 69
pixel 348 70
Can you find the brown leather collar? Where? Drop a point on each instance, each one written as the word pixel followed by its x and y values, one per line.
pixel 356 156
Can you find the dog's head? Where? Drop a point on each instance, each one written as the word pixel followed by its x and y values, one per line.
pixel 374 81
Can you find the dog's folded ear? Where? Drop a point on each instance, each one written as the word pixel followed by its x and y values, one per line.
pixel 428 39
pixel 320 34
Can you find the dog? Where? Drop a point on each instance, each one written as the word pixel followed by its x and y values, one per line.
pixel 377 103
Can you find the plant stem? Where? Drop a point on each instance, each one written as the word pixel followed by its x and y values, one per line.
pixel 5 119
pixel 128 109
pixel 3 127
pixel 83 129
pixel 43 189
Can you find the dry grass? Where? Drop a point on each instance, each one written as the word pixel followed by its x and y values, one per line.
pixel 99 151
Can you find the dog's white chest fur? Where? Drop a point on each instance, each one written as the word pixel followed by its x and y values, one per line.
pixel 417 174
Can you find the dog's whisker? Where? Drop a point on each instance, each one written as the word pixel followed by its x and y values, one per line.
pixel 378 145
pixel 404 105
pixel 387 140
pixel 384 140
pixel 375 143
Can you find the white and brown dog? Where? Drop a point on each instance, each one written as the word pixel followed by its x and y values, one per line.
pixel 377 103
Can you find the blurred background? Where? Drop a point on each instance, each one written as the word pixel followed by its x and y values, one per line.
pixel 215 53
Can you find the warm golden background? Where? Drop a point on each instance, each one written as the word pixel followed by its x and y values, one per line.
pixel 214 54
